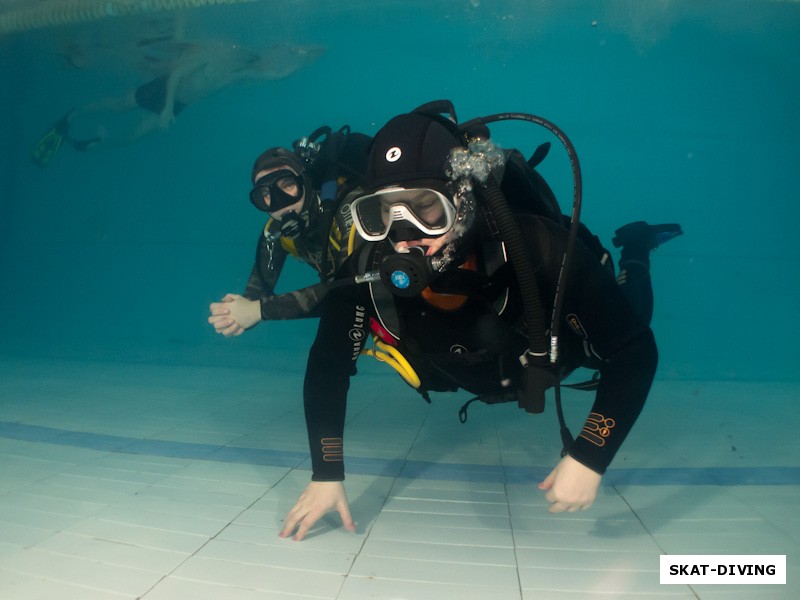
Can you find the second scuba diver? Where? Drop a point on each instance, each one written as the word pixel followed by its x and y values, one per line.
pixel 302 222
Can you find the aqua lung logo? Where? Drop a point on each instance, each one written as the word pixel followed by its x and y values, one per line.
pixel 393 154
pixel 458 349
pixel 357 333
pixel 347 217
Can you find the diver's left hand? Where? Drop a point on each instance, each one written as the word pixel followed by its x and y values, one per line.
pixel 571 486
pixel 234 314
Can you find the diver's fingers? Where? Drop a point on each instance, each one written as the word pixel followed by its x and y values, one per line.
pixel 293 519
pixel 306 523
pixel 217 308
pixel 222 320
pixel 233 329
pixel 347 519
pixel 226 326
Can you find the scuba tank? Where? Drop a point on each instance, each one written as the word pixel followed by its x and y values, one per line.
pixel 333 158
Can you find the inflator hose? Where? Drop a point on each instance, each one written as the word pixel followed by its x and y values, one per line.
pixel 521 262
pixel 555 320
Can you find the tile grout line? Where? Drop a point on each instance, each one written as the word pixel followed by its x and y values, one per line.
pixel 213 537
pixel 508 505
pixel 649 533
pixel 404 461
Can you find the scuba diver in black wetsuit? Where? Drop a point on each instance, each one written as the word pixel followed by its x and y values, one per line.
pixel 303 223
pixel 463 277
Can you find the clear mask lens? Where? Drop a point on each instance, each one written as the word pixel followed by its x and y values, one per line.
pixel 431 212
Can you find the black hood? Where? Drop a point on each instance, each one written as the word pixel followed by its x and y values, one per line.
pixel 410 148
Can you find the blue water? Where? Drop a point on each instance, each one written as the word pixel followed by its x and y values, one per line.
pixel 680 111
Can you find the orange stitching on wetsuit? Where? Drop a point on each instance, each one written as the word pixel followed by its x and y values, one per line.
pixel 597 429
pixel 332 449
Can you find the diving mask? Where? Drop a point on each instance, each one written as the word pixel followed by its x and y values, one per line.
pixel 277 190
pixel 429 211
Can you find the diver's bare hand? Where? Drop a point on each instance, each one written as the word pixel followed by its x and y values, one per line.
pixel 234 314
pixel 222 322
pixel 571 486
pixel 318 499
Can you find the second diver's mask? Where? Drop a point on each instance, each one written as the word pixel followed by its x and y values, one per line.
pixel 277 190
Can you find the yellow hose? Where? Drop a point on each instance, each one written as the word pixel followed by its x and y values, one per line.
pixel 66 12
pixel 392 357
pixel 386 353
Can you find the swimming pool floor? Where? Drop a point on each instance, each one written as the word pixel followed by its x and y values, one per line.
pixel 123 481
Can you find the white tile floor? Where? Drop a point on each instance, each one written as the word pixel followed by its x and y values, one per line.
pixel 170 483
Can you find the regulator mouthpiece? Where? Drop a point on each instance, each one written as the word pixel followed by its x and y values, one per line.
pixel 406 274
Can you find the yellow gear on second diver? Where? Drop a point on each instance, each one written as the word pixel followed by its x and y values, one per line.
pixel 351 240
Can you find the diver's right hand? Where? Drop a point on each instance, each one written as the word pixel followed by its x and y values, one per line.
pixel 234 315
pixel 318 499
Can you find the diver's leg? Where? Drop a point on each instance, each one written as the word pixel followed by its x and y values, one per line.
pixel 115 104
pixel 148 123
pixel 93 112
pixel 637 240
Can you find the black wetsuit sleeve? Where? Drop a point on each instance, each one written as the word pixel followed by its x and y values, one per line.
pixel 624 349
pixel 269 261
pixel 625 379
pixel 298 304
pixel 340 337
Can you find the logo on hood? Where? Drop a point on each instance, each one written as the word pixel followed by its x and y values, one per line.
pixel 393 154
